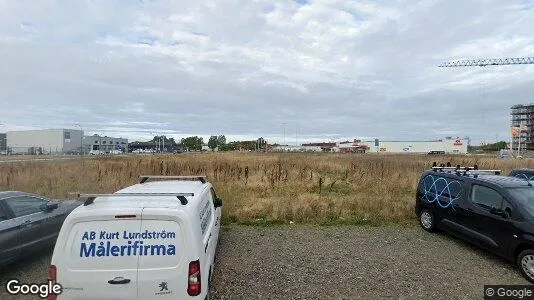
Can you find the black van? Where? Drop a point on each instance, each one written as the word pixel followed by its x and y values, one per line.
pixel 492 211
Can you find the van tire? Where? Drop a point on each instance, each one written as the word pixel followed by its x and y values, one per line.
pixel 525 262
pixel 427 220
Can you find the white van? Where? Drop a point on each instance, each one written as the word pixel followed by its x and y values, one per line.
pixel 153 240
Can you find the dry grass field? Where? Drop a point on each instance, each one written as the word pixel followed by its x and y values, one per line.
pixel 261 188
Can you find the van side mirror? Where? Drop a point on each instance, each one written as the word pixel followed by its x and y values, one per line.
pixel 217 202
pixel 498 212
pixel 51 206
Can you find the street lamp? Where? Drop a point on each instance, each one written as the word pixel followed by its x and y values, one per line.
pixel 81 138
pixel 100 145
pixel 284 124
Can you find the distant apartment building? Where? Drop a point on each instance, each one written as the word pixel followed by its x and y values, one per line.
pixel 523 117
pixel 104 143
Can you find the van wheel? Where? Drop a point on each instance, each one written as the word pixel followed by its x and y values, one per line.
pixel 427 220
pixel 525 261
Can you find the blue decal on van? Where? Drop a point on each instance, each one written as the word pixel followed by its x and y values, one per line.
pixel 132 244
pixel 135 248
pixel 441 191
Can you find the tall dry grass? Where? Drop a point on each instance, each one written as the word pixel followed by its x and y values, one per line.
pixel 309 188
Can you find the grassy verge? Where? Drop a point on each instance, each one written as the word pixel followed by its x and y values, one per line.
pixel 262 189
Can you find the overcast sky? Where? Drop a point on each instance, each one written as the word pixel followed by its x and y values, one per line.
pixel 328 69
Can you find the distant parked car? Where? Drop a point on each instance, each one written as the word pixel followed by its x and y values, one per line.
pixel 96 152
pixel 115 152
pixel 29 223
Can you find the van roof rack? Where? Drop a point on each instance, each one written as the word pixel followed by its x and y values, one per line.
pixel 145 178
pixel 91 197
pixel 471 170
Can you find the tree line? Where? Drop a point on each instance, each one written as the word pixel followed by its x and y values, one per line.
pixel 195 143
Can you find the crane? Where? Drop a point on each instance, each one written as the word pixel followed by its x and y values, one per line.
pixel 493 62
pixel 489 62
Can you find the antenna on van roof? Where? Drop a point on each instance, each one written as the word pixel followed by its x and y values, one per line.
pixel 91 197
pixel 145 178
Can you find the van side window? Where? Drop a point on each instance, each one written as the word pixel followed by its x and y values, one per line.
pixel 486 197
pixel 206 213
pixel 25 205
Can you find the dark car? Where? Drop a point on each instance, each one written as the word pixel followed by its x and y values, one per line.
pixel 495 212
pixel 436 152
pixel 527 174
pixel 29 223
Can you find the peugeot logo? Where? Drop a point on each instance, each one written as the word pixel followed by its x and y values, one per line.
pixel 163 287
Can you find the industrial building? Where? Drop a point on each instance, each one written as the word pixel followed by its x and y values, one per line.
pixel 445 146
pixel 104 143
pixel 522 117
pixel 448 145
pixel 46 141
pixel 325 147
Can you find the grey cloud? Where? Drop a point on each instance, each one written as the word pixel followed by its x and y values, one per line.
pixel 328 69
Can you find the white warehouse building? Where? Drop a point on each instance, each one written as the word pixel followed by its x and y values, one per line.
pixel 448 146
pixel 46 141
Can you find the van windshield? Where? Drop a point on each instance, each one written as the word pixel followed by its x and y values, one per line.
pixel 524 197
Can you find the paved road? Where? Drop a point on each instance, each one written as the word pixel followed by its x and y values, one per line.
pixel 337 263
pixel 5 161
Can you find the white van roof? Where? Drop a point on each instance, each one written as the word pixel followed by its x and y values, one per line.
pixel 156 187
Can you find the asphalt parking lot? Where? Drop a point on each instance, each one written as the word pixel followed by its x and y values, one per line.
pixel 348 262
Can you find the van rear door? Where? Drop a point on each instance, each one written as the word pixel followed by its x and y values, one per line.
pixel 163 263
pixel 99 259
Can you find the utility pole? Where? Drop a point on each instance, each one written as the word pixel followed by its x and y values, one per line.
pixel 81 139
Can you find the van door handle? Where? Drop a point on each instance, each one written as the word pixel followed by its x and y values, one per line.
pixel 119 280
